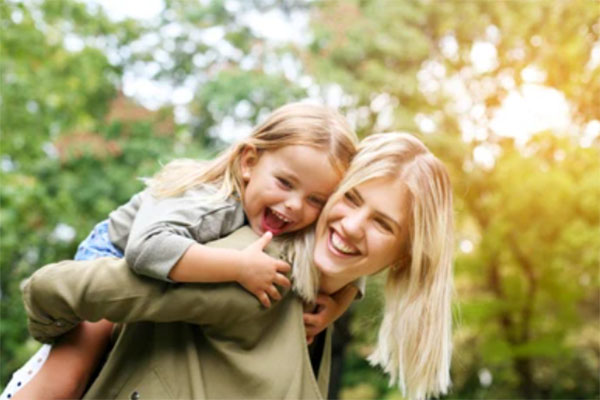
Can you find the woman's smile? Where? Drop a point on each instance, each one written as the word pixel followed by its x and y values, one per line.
pixel 340 245
pixel 363 231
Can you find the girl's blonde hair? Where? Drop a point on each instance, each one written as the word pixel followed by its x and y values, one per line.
pixel 414 345
pixel 292 124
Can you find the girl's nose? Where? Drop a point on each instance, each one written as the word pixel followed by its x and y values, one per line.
pixel 293 203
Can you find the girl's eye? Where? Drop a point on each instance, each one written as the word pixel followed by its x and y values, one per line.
pixel 351 198
pixel 316 201
pixel 384 225
pixel 284 183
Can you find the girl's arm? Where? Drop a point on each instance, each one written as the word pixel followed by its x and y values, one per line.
pixel 164 229
pixel 166 241
pixel 57 297
pixel 251 268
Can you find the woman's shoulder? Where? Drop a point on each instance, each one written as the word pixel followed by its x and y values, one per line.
pixel 238 239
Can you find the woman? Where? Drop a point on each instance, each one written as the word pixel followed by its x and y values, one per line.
pixel 392 210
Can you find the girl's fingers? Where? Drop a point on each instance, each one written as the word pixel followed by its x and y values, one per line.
pixel 274 293
pixel 309 320
pixel 282 266
pixel 323 299
pixel 264 299
pixel 282 280
pixel 311 330
pixel 264 240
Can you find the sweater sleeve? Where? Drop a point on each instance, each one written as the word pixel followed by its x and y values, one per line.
pixel 360 284
pixel 165 228
pixel 59 296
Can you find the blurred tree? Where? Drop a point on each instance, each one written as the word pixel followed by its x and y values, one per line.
pixel 215 50
pixel 64 165
pixel 527 280
pixel 72 147
pixel 533 272
pixel 529 290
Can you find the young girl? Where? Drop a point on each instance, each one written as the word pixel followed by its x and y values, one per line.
pixel 277 180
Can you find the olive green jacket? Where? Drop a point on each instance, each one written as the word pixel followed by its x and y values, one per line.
pixel 192 341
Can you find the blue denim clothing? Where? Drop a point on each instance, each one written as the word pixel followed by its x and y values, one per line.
pixel 97 244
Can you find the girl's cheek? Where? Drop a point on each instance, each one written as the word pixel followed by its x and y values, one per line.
pixel 314 215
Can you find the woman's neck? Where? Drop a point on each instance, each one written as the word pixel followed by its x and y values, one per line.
pixel 330 285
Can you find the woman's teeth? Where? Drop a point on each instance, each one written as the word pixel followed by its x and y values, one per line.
pixel 341 246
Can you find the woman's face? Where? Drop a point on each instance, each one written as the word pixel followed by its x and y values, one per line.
pixel 364 231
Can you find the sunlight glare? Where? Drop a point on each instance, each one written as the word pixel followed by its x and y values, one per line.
pixel 532 109
pixel 484 56
pixel 120 10
pixel 466 246
pixel 485 156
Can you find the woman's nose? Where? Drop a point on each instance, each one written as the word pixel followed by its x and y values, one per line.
pixel 354 223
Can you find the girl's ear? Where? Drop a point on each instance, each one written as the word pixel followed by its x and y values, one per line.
pixel 248 160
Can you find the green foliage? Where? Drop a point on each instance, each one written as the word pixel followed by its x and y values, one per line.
pixel 72 149
pixel 527 291
pixel 54 188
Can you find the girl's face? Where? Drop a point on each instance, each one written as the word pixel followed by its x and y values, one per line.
pixel 286 188
pixel 364 231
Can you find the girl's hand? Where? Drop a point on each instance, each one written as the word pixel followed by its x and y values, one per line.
pixel 259 273
pixel 327 310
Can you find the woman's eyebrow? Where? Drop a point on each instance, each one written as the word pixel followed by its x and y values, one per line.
pixel 389 219
pixel 377 212
pixel 356 193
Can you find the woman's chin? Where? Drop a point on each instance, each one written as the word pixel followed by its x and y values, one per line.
pixel 330 273
pixel 327 272
pixel 325 266
pixel 333 275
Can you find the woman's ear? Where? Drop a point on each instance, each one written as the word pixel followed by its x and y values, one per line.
pixel 248 160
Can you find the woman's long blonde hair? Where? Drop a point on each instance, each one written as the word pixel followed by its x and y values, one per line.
pixel 292 124
pixel 414 344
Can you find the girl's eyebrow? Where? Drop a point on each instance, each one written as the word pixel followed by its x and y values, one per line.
pixel 289 174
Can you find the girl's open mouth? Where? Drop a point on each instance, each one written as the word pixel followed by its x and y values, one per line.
pixel 275 222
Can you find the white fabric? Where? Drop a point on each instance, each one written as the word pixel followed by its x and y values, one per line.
pixel 26 372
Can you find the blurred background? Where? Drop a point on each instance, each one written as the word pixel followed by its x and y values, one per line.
pixel 507 93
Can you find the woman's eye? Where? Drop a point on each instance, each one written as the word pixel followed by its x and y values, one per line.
pixel 284 183
pixel 351 198
pixel 384 225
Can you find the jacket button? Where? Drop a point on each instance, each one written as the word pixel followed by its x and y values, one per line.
pixel 135 395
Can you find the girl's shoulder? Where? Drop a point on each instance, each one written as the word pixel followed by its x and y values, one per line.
pixel 210 194
pixel 199 201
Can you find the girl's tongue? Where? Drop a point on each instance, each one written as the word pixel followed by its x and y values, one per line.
pixel 272 222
